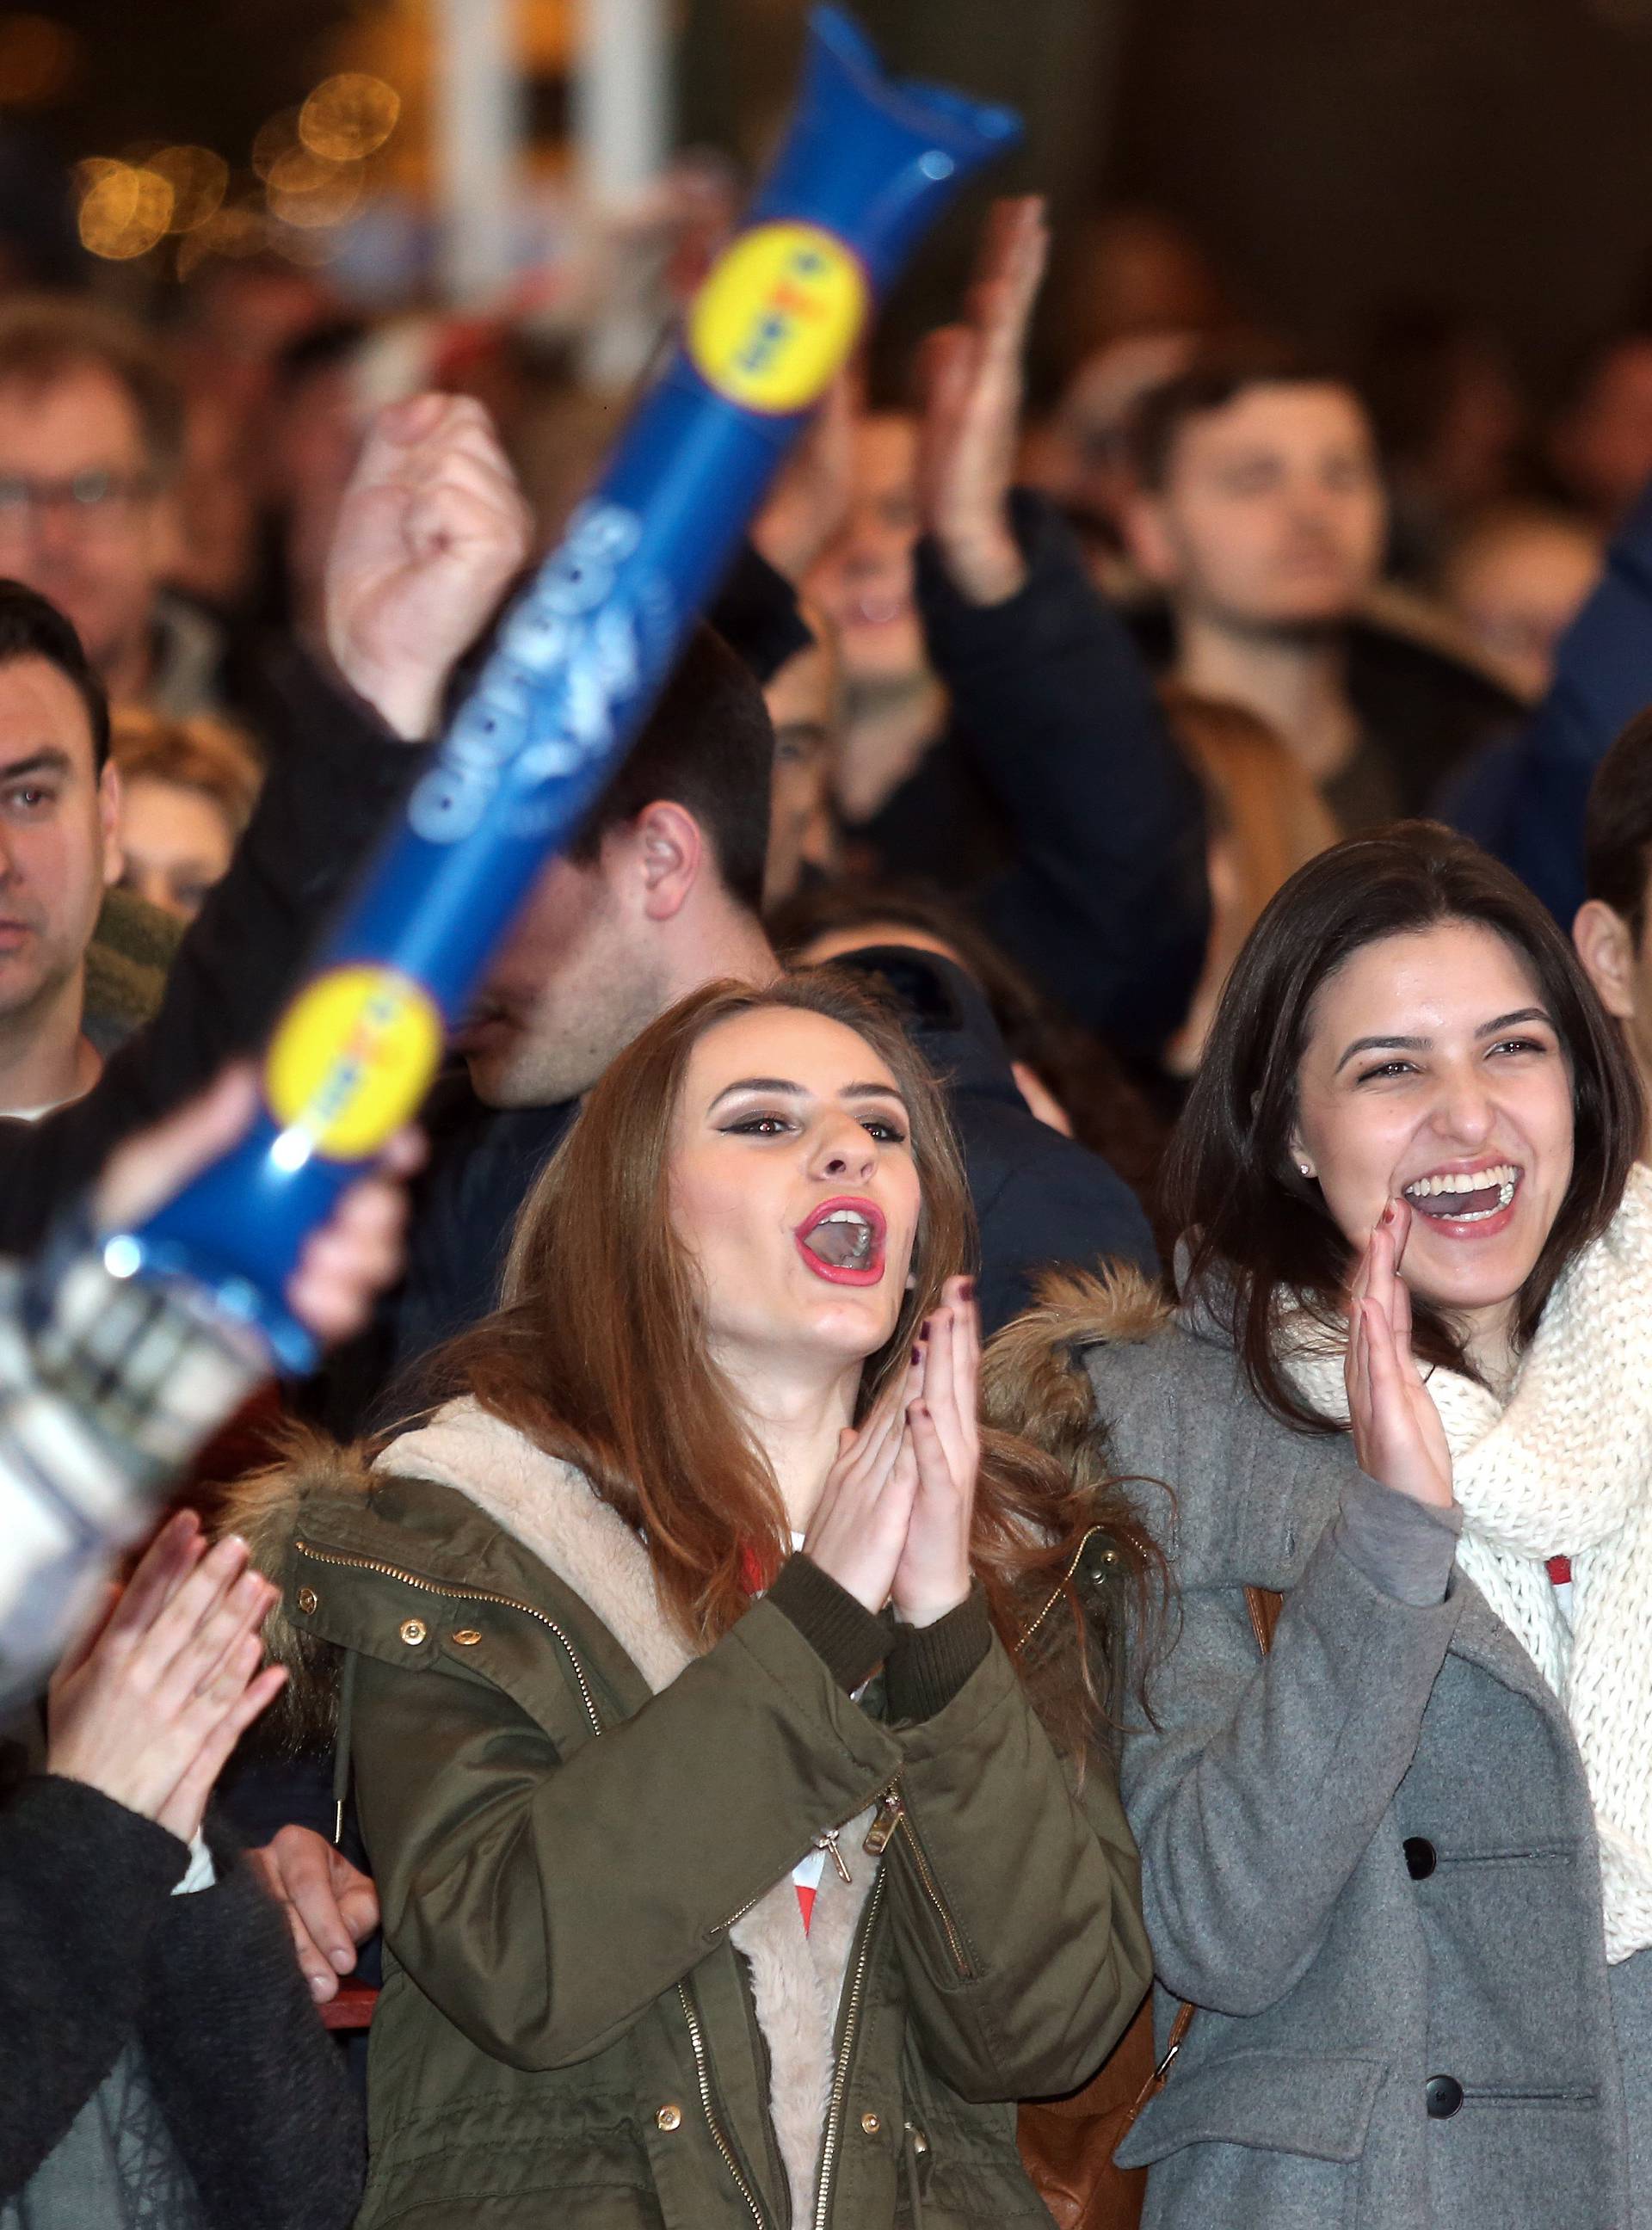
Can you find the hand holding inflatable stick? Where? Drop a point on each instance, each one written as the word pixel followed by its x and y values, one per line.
pixel 868 165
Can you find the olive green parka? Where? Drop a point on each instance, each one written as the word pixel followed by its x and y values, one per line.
pixel 601 2010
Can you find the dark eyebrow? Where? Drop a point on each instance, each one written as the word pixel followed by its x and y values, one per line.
pixel 797 1091
pixel 48 760
pixel 1382 1045
pixel 1421 1044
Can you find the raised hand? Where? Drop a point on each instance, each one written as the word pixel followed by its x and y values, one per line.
pixel 811 499
pixel 1397 1435
pixel 859 1529
pixel 151 1705
pixel 971 377
pixel 331 1906
pixel 345 1264
pixel 432 531
pixel 933 1574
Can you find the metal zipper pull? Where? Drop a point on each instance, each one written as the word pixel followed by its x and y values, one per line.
pixel 828 1842
pixel 884 1825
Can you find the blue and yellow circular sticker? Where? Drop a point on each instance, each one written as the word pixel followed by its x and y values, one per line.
pixel 778 316
pixel 353 1058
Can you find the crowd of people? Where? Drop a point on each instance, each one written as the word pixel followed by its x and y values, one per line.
pixel 995 1445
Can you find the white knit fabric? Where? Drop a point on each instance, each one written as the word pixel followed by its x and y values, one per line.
pixel 1564 1468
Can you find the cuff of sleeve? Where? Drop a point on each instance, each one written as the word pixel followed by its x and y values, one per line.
pixel 1405 1548
pixel 852 1640
pixel 929 1664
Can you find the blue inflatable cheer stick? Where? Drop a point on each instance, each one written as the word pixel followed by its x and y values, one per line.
pixel 867 167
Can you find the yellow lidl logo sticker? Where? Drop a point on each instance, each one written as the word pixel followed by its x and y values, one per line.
pixel 778 316
pixel 353 1058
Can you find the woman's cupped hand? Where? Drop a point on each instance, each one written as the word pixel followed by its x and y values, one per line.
pixel 894 1521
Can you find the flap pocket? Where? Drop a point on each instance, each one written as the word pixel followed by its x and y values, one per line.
pixel 1318 2105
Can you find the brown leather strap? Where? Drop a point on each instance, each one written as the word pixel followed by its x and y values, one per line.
pixel 1264 1607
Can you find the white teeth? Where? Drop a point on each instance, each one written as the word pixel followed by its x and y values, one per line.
pixel 846 1216
pixel 1505 1174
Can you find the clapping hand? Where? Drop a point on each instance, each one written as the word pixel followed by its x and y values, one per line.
pixel 1397 1435
pixel 933 1574
pixel 971 378
pixel 150 1705
pixel 858 1533
pixel 432 531
pixel 894 1521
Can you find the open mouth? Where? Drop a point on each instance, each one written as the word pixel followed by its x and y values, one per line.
pixel 1465 1195
pixel 842 1242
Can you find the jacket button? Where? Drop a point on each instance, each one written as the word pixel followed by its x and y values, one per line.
pixel 413 1631
pixel 1419 1858
pixel 871 2124
pixel 668 2118
pixel 307 1599
pixel 1444 2095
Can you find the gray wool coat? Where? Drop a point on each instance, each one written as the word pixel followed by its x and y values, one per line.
pixel 1370 1862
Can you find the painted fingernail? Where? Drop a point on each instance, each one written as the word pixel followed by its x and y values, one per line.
pixel 967 1286
pixel 917 1355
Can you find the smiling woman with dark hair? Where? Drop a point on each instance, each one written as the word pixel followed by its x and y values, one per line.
pixel 1403 1867
pixel 724 1706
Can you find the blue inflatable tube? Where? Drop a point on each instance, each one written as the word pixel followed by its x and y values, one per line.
pixel 867 167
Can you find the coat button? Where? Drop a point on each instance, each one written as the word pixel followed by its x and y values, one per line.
pixel 871 2124
pixel 413 1631
pixel 1419 1858
pixel 307 1599
pixel 1444 2095
pixel 668 2118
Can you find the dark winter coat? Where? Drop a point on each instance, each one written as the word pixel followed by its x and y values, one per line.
pixel 229 2106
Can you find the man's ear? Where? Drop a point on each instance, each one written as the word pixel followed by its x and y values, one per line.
pixel 114 859
pixel 672 854
pixel 1148 538
pixel 1607 951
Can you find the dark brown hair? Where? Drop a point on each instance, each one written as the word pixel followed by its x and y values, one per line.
pixel 1255 1227
pixel 1217 378
pixel 45 338
pixel 1617 827
pixel 708 746
pixel 599 1352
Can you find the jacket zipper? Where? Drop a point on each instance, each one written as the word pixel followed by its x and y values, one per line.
pixel 1066 1581
pixel 892 1815
pixel 719 2136
pixel 828 1844
pixel 464 1595
pixel 845 2053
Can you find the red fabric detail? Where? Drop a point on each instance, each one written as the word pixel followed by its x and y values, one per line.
pixel 805 1903
pixel 753 1578
pixel 1560 1571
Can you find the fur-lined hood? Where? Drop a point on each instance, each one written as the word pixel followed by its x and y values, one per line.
pixel 1033 1380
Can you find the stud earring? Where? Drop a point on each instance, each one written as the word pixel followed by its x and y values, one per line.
pixel 1306 1171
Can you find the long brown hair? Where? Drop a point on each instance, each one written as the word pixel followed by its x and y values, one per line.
pixel 1256 1227
pixel 598 1356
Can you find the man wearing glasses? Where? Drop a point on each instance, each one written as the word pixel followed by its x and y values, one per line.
pixel 91 441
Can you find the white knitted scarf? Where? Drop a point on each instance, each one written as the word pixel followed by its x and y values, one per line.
pixel 1563 1467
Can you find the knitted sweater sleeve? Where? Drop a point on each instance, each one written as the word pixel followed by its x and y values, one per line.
pixel 255 2092
pixel 84 1887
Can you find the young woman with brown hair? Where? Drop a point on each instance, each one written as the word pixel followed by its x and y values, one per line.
pixel 1403 1868
pixel 722 1704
